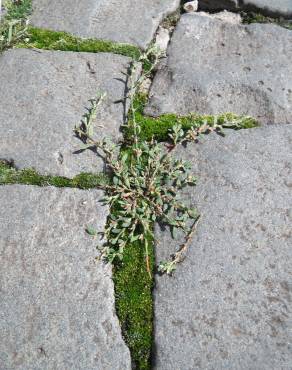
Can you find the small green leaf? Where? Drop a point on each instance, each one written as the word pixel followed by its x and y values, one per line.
pixel 116 231
pixel 193 213
pixel 134 238
pixel 91 231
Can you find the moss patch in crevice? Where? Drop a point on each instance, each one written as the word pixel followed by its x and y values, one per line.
pixel 10 175
pixel 134 302
pixel 253 17
pixel 158 127
pixel 53 40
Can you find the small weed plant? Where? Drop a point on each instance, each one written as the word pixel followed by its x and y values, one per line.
pixel 146 176
pixel 13 25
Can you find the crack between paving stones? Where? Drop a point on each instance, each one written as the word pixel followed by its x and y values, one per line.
pixel 10 175
pixel 169 22
pixel 123 283
pixel 45 39
pixel 173 120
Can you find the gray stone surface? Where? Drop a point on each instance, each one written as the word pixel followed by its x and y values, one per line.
pixel 56 301
pixel 281 8
pixel 117 20
pixel 215 67
pixel 44 94
pixel 229 305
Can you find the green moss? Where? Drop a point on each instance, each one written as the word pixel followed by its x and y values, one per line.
pixel 252 17
pixel 158 128
pixel 10 175
pixel 52 40
pixel 134 304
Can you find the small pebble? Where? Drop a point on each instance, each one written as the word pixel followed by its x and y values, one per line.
pixel 191 6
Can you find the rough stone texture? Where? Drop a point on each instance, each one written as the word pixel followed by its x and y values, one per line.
pixel 57 301
pixel 117 20
pixel 229 306
pixel 226 68
pixel 44 94
pixel 225 16
pixel 281 8
pixel 162 39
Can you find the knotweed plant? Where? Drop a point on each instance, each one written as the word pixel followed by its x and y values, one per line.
pixel 146 179
pixel 145 182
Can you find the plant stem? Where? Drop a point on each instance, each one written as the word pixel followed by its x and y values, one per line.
pixel 179 254
pixel 147 254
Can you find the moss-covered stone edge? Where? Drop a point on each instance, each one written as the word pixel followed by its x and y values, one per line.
pixel 10 175
pixel 39 38
pixel 158 128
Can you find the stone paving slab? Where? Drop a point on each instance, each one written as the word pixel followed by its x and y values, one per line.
pixel 229 306
pixel 57 302
pixel 126 21
pixel 281 8
pixel 44 94
pixel 215 67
